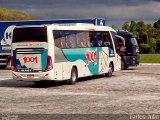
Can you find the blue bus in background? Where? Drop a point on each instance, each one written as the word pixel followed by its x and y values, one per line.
pixel 129 57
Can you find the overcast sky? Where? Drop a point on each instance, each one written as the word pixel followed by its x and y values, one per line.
pixel 113 10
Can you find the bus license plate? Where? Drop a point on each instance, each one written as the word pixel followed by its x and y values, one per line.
pixel 30 76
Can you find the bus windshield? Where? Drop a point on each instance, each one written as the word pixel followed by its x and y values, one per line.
pixel 133 41
pixel 30 34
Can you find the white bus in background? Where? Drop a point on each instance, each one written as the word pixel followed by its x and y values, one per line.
pixel 61 52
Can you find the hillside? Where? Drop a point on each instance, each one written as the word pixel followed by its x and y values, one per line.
pixel 12 15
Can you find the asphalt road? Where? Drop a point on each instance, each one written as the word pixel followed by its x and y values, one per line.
pixel 133 91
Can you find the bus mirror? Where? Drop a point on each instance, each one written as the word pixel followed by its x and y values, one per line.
pixel 120 40
pixel 121 43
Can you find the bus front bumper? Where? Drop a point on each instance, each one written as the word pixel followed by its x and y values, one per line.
pixel 131 60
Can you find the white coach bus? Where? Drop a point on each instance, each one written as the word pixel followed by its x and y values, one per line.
pixel 61 52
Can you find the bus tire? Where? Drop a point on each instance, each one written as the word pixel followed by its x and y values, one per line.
pixel 110 72
pixel 123 65
pixel 126 67
pixel 74 76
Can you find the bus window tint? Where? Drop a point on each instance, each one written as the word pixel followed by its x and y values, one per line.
pixel 133 41
pixel 59 39
pixel 107 40
pixel 30 34
pixel 71 39
pixel 115 40
pixel 96 39
pixel 82 39
pixel 100 39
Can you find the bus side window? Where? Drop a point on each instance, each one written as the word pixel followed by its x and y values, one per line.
pixel 115 41
pixel 59 39
pixel 91 40
pixel 96 39
pixel 100 40
pixel 107 40
pixel 63 43
pixel 70 39
pixel 82 39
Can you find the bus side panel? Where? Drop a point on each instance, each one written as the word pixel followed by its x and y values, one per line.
pixel 103 60
pixel 58 71
pixel 66 70
pixel 116 61
pixel 61 65
pixel 86 59
pixel 75 57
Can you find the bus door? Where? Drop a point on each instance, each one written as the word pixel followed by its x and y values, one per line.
pixel 116 51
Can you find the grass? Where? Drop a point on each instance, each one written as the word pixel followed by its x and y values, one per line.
pixel 150 58
pixel 7 14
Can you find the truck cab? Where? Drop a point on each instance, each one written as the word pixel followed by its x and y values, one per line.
pixel 129 57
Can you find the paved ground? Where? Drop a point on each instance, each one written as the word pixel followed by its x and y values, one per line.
pixel 133 91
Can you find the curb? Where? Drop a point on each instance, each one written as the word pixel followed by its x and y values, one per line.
pixel 149 64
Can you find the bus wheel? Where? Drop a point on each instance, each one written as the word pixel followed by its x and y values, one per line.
pixel 126 67
pixel 122 65
pixel 110 72
pixel 74 75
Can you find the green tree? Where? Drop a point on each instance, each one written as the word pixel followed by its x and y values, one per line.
pixel 148 36
pixel 114 27
pixel 7 14
pixel 144 48
pixel 152 44
pixel 133 27
pixel 157 24
pixel 126 26
pixel 143 37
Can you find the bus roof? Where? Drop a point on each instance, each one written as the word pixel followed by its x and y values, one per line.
pixel 95 21
pixel 77 26
pixel 125 33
